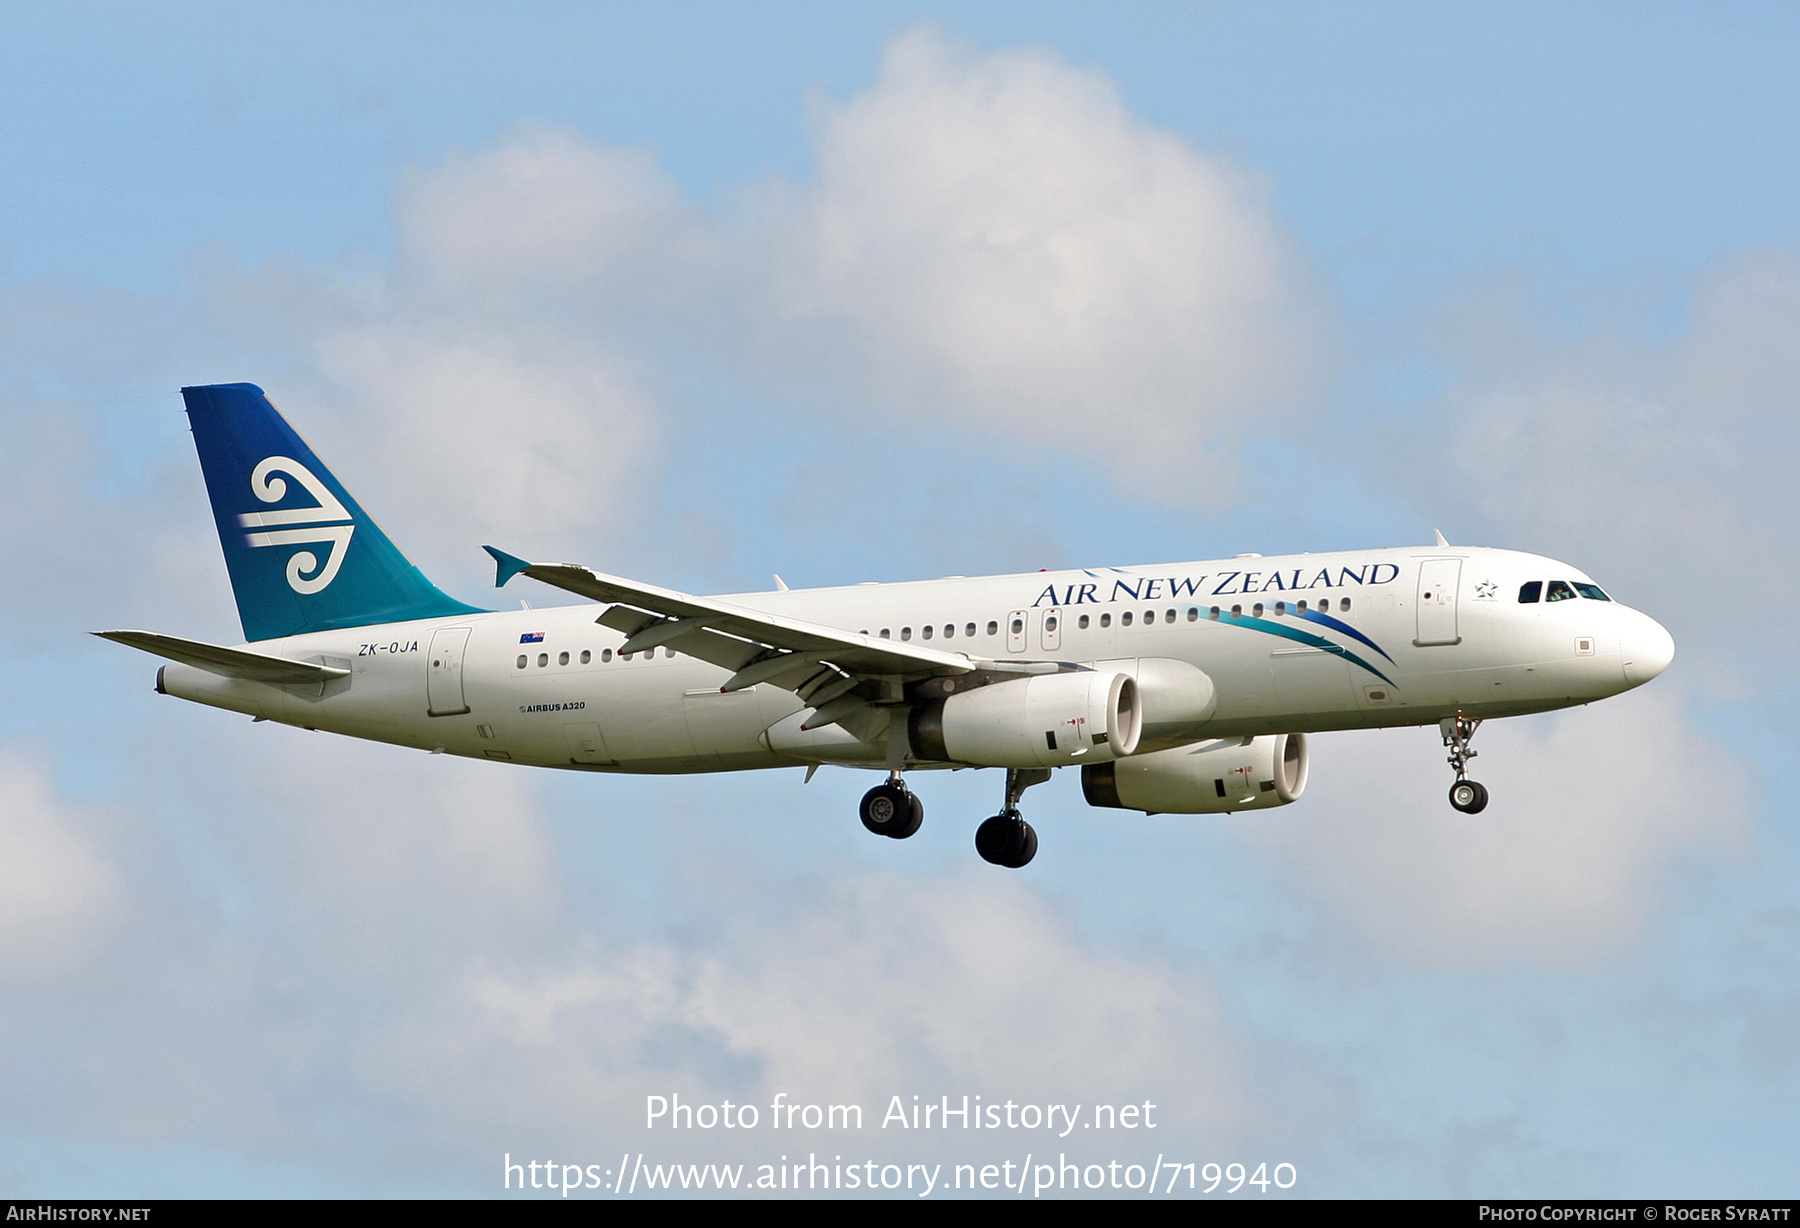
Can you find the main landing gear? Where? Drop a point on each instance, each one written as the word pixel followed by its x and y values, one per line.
pixel 1007 839
pixel 891 810
pixel 1466 795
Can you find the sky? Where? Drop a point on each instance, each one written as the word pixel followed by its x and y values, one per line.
pixel 701 293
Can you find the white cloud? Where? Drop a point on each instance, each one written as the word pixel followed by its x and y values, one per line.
pixel 993 240
pixel 535 444
pixel 1593 812
pixel 488 369
pixel 1664 470
pixel 402 962
pixel 875 986
pixel 56 890
pixel 544 221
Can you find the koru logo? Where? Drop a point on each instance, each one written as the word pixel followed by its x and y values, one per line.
pixel 328 522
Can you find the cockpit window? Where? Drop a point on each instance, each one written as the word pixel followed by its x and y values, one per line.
pixel 1560 591
pixel 1530 592
pixel 1591 591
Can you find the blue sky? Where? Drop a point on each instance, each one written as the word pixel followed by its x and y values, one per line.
pixel 708 292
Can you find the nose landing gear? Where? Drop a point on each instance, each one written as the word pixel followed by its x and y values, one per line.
pixel 892 810
pixel 1465 795
pixel 1007 839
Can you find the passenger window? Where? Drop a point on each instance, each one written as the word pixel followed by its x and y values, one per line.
pixel 1018 626
pixel 1237 611
pixel 1106 620
pixel 1213 613
pixel 1082 622
pixel 925 632
pixel 521 661
pixel 969 630
pixel 906 633
pixel 586 656
pixel 1591 592
pixel 1343 605
pixel 605 656
pixel 1530 591
pixel 1560 591
pixel 949 631
pixel 1280 608
pixel 1256 610
pixel 993 627
pixel 1125 619
pixel 1193 614
pixel 562 658
pixel 543 659
pixel 885 635
pixel 1050 623
pixel 1168 616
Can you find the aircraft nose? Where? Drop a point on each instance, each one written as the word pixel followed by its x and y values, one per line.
pixel 1647 649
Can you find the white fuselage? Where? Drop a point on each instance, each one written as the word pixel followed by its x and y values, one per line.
pixel 1444 634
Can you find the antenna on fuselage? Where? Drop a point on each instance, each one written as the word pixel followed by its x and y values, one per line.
pixel 1440 538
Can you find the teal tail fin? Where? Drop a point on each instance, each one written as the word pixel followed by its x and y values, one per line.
pixel 303 555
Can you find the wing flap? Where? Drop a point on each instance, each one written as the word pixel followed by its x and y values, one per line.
pixel 227 662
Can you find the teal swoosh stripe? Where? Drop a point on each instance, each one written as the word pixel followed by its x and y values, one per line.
pixel 1305 637
pixel 1346 628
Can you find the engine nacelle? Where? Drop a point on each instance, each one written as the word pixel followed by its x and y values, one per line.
pixel 1176 699
pixel 1215 777
pixel 1046 720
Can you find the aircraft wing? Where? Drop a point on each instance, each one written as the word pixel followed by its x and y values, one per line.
pixel 229 662
pixel 818 662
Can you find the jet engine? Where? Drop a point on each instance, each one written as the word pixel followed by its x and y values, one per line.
pixel 1046 720
pixel 1176 698
pixel 1215 777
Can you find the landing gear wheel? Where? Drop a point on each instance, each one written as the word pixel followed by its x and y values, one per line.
pixel 889 810
pixel 1006 840
pixel 1468 796
pixel 1465 794
pixel 915 815
pixel 1026 853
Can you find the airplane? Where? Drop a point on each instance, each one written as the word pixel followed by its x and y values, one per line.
pixel 1186 688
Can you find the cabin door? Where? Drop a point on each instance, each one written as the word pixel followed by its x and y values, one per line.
pixel 1439 580
pixel 444 679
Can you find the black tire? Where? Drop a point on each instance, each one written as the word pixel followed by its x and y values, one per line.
pixel 886 809
pixel 1027 850
pixel 915 815
pixel 1006 840
pixel 1468 796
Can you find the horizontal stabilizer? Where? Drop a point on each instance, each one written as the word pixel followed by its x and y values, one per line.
pixel 227 662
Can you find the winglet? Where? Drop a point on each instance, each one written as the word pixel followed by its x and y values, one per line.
pixel 1440 538
pixel 506 566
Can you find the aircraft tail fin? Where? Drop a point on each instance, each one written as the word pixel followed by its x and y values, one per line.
pixel 302 554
